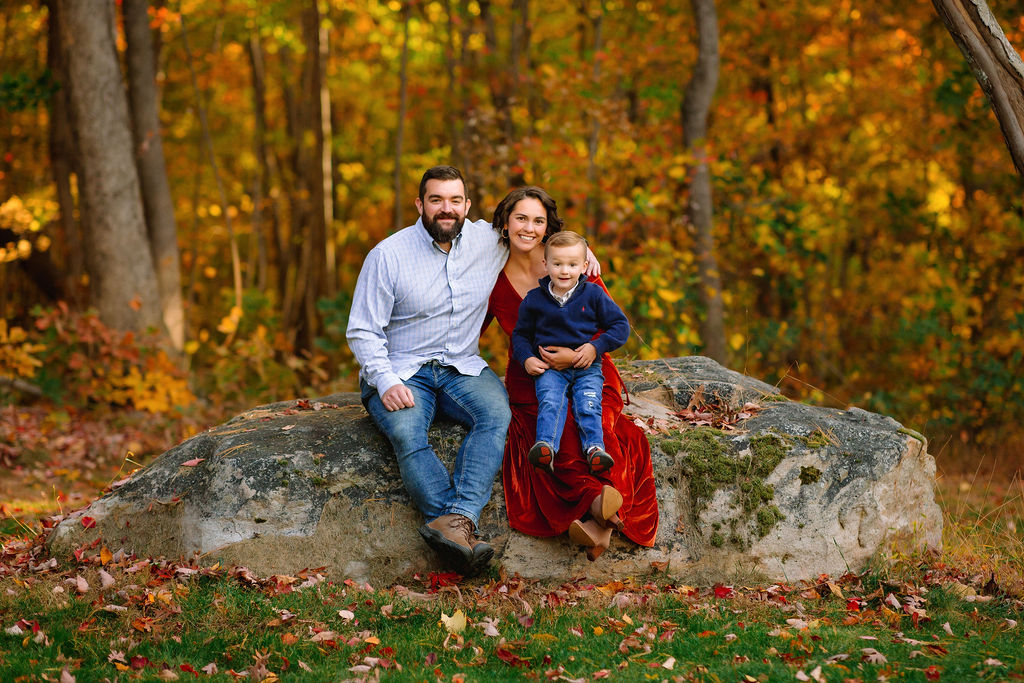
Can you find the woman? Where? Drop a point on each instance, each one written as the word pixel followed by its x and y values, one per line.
pixel 540 503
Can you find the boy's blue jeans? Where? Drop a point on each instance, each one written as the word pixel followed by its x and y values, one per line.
pixel 554 388
pixel 480 404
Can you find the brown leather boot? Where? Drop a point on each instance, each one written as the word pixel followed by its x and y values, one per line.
pixel 605 506
pixel 453 538
pixel 592 536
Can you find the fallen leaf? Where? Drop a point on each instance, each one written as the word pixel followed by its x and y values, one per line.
pixel 489 626
pixel 323 636
pixel 456 623
pixel 88 522
pixel 992 662
pixel 510 658
pixel 947 628
pixel 106 580
pixel 872 656
pixel 193 462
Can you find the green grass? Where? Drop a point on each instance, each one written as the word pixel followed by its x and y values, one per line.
pixel 577 631
pixel 631 631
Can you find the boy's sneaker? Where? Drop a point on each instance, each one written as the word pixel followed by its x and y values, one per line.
pixel 598 460
pixel 542 456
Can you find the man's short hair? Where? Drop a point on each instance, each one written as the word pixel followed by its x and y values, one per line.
pixel 440 173
pixel 566 238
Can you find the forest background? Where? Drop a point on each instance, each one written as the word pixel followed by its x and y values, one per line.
pixel 867 222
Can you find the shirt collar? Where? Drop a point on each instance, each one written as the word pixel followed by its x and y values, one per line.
pixel 564 298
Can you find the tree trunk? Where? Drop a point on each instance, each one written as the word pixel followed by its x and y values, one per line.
pixel 403 104
pixel 996 65
pixel 62 160
pixel 595 210
pixel 266 162
pixel 330 282
pixel 236 264
pixel 123 282
pixel 149 155
pixel 696 105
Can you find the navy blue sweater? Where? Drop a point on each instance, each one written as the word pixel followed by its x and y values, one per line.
pixel 542 322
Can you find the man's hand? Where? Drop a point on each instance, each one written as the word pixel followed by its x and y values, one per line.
pixel 557 357
pixel 585 355
pixel 535 366
pixel 593 265
pixel 398 397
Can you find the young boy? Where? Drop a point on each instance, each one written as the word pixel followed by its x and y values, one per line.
pixel 566 310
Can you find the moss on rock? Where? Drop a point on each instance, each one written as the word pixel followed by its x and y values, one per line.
pixel 809 475
pixel 707 460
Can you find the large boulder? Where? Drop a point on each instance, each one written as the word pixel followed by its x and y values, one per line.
pixel 749 484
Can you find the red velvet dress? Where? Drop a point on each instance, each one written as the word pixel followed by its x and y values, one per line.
pixel 543 504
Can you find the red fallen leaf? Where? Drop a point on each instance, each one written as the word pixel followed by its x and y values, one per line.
pixel 705 634
pixel 510 658
pixel 193 462
pixel 139 662
pixel 88 522
pixel 27 625
pixel 303 404
pixel 933 673
pixel 440 579
pixel 853 605
pixel 186 667
pixel 724 592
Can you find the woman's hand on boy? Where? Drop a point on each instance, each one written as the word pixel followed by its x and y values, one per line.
pixel 585 355
pixel 557 357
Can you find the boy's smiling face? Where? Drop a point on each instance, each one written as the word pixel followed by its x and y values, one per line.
pixel 565 265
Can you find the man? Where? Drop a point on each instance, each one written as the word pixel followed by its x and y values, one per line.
pixel 414 329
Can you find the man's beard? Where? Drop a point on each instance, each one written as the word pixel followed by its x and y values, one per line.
pixel 437 232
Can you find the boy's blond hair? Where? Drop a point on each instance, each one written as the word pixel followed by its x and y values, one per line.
pixel 565 238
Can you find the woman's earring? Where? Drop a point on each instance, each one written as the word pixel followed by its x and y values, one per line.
pixel 504 233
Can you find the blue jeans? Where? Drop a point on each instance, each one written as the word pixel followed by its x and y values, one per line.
pixel 479 404
pixel 554 388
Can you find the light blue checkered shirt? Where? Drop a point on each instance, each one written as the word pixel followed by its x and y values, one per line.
pixel 414 303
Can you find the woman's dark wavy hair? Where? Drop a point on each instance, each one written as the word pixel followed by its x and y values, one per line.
pixel 504 210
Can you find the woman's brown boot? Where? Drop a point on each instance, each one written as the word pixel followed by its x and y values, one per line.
pixel 592 536
pixel 605 506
